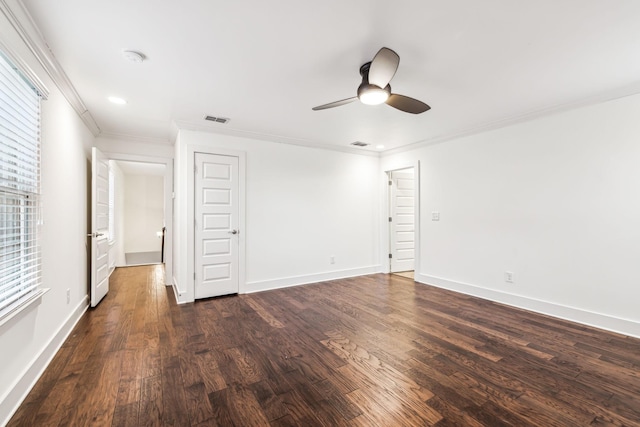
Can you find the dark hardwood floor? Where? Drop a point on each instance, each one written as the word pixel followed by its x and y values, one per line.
pixel 376 350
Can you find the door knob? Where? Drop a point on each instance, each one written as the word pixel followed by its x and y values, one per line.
pixel 233 232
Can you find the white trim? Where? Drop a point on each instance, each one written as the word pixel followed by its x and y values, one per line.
pixel 286 282
pixel 34 298
pixel 611 95
pixel 573 314
pixel 385 238
pixel 33 78
pixel 10 402
pixel 192 149
pixel 209 127
pixel 28 31
pixel 176 292
pixel 168 199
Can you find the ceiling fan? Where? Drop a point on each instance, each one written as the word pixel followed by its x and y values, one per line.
pixel 375 88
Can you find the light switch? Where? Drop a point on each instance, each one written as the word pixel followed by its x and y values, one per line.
pixel 435 216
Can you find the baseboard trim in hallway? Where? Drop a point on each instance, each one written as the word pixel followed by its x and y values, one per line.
pixel 10 403
pixel 142 258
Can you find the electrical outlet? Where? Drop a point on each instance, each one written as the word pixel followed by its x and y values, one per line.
pixel 332 259
pixel 508 276
pixel 68 296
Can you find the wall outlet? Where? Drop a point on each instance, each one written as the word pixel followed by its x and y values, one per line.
pixel 332 259
pixel 508 276
pixel 435 216
pixel 68 296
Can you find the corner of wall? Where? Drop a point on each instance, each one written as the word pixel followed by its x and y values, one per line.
pixel 181 297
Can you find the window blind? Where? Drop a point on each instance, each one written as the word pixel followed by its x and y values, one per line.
pixel 20 275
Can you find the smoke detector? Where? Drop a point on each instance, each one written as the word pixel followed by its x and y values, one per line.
pixel 133 56
pixel 359 144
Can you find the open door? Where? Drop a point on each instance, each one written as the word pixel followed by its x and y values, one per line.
pixel 99 226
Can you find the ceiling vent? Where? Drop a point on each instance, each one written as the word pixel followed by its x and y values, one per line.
pixel 359 144
pixel 222 120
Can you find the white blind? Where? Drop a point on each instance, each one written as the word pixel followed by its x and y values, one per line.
pixel 19 188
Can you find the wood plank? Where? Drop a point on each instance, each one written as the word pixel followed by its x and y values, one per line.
pixel 362 351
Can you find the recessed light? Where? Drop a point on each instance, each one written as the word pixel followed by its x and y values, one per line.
pixel 117 100
pixel 379 146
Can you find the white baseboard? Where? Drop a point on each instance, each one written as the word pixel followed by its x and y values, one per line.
pixel 285 282
pixel 176 292
pixel 578 315
pixel 23 385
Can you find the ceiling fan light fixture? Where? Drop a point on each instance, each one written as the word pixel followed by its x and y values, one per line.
pixel 372 95
pixel 375 88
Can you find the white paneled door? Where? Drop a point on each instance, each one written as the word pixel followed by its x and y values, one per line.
pixel 402 212
pixel 216 228
pixel 99 226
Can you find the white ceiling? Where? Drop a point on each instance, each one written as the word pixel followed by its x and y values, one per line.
pixel 265 64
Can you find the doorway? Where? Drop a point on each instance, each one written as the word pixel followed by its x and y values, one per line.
pixel 403 216
pixel 139 215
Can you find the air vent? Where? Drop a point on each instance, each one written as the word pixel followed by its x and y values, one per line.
pixel 217 119
pixel 359 144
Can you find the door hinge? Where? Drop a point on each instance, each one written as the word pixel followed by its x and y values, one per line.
pixel 195 168
pixel 390 256
pixel 390 219
pixel 390 182
pixel 194 275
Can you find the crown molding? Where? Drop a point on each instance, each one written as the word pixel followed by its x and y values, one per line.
pixel 24 68
pixel 26 28
pixel 278 139
pixel 611 95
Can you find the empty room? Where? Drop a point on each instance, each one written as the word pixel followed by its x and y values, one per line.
pixel 281 213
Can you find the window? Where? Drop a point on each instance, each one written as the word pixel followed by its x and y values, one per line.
pixel 20 274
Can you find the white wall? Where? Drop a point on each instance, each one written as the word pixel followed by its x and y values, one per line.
pixel 143 213
pixel 303 205
pixel 555 201
pixel 29 340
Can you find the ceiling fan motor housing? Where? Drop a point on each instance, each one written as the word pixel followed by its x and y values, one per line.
pixel 369 93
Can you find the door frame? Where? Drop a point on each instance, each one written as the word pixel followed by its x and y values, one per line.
pixel 191 212
pixel 385 246
pixel 393 214
pixel 168 202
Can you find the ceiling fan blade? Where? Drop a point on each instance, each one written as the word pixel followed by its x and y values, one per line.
pixel 334 104
pixel 383 67
pixel 406 104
